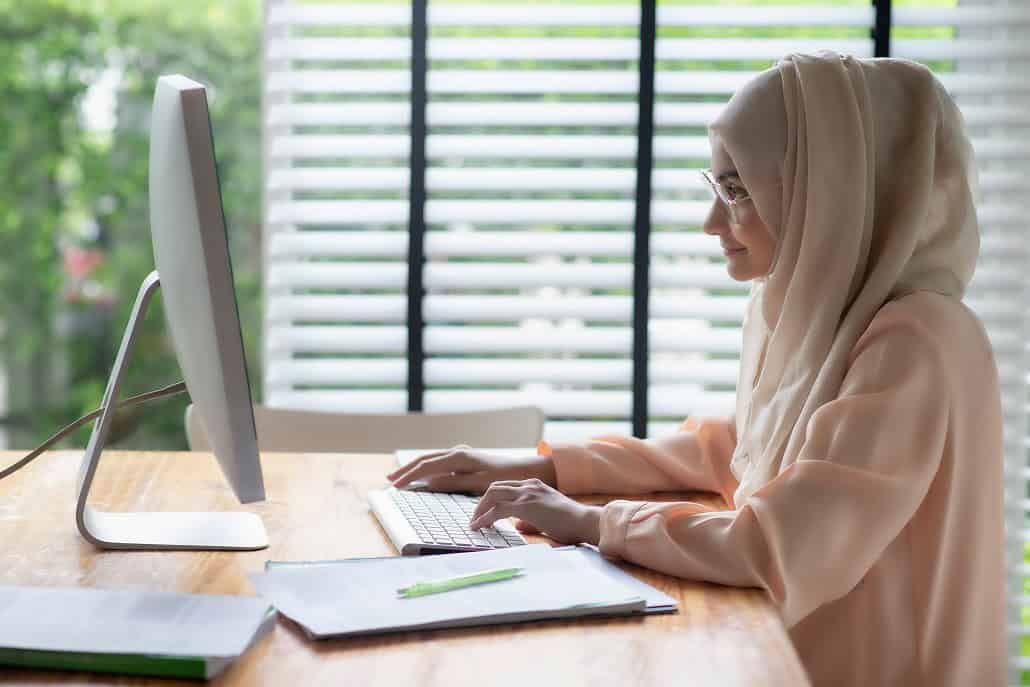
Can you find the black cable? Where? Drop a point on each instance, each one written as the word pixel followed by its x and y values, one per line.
pixel 169 390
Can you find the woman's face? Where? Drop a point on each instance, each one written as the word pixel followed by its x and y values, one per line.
pixel 748 244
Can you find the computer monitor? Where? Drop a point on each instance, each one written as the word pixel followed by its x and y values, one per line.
pixel 194 272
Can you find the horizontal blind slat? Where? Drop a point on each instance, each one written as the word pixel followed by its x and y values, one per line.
pixel 316 372
pixel 492 212
pixel 498 114
pixel 386 275
pixel 494 371
pixel 954 49
pixel 479 339
pixel 503 179
pixel 959 17
pixel 753 48
pixel 487 244
pixel 450 308
pixel 763 16
pixel 363 401
pixel 598 15
pixel 550 146
pixel 594 82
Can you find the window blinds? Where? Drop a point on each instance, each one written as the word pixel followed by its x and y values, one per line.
pixel 979 50
pixel 530 180
pixel 335 154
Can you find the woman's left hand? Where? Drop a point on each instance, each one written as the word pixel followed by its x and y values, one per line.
pixel 543 507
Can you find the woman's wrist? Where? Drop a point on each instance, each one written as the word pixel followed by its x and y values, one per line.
pixel 543 469
pixel 590 525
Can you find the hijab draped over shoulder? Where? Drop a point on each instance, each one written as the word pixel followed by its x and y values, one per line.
pixel 863 171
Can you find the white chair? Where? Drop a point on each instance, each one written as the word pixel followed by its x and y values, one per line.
pixel 279 429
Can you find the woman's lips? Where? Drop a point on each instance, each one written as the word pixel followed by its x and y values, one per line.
pixel 732 251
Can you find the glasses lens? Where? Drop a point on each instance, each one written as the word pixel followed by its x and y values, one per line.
pixel 721 194
pixel 716 189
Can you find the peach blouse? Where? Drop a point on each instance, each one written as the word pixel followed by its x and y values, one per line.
pixel 882 545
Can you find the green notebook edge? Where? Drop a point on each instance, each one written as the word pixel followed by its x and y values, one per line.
pixel 189 667
pixel 181 667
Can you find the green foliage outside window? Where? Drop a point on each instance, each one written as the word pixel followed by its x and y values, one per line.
pixel 71 192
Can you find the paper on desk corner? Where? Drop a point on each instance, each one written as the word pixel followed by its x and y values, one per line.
pixel 657 600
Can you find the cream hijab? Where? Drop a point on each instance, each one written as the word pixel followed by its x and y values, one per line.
pixel 864 172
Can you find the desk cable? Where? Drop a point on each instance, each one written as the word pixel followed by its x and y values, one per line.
pixel 169 390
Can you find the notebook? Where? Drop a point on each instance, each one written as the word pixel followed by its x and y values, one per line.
pixel 359 596
pixel 140 633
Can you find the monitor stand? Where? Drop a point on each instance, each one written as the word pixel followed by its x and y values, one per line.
pixel 219 531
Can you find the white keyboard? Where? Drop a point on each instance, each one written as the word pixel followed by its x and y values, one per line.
pixel 431 522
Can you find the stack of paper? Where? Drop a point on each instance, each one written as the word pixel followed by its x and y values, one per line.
pixel 359 596
pixel 140 633
pixel 656 601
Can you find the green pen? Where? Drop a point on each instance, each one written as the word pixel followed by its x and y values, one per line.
pixel 450 583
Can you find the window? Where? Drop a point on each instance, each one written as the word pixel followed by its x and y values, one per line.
pixel 530 188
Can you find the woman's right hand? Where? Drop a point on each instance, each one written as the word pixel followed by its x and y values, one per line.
pixel 464 469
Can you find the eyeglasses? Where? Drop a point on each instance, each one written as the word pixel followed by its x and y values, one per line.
pixel 730 197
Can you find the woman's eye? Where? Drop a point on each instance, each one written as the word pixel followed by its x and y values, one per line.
pixel 734 191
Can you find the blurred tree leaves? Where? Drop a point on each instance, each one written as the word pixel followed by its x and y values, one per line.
pixel 45 66
pixel 59 176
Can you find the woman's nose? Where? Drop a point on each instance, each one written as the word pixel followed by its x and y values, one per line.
pixel 715 223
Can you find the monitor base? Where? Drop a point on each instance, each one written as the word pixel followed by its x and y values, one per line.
pixel 205 531
pixel 149 531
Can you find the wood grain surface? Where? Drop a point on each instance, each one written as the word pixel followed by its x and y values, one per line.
pixel 316 508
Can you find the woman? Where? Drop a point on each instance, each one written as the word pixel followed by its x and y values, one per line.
pixel 863 467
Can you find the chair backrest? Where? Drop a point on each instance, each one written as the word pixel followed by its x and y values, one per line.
pixel 279 429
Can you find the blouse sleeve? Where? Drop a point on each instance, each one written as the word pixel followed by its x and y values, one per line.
pixel 812 533
pixel 695 458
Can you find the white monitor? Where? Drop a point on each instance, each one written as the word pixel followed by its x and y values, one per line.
pixel 194 273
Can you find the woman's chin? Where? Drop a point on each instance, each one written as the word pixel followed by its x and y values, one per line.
pixel 739 267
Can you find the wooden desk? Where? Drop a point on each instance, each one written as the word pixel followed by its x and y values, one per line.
pixel 316 509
